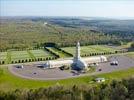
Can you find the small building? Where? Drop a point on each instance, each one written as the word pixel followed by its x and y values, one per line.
pixel 45 23
pixel 100 80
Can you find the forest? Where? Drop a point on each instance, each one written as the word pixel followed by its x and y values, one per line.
pixel 29 32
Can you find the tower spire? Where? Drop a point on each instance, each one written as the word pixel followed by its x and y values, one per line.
pixel 77 55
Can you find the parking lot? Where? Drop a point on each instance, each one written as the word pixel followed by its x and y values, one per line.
pixel 123 63
pixel 31 71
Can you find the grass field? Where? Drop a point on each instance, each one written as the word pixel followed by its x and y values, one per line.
pixel 130 54
pixel 91 49
pixel 10 82
pixel 23 55
pixel 16 55
pixel 40 53
pixel 3 56
pixel 60 53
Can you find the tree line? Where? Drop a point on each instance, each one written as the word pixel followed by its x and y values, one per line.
pixel 115 90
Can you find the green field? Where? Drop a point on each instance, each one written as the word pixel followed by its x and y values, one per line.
pixel 3 56
pixel 130 54
pixel 40 53
pixel 23 55
pixel 16 55
pixel 91 49
pixel 60 53
pixel 10 82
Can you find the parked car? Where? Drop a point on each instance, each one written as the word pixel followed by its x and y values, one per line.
pixel 19 66
pixel 100 69
pixel 40 65
pixel 114 63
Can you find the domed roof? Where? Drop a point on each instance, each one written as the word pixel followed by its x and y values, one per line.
pixel 79 65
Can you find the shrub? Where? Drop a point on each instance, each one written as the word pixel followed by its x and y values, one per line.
pixel 19 61
pixel 26 60
pixel 3 62
pixel 29 60
pixel 44 59
pixel 33 59
pixel 132 45
pixel 22 61
pixel 12 62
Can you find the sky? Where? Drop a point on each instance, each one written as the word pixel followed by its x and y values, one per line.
pixel 87 8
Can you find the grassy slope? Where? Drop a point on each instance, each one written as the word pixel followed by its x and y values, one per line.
pixel 10 82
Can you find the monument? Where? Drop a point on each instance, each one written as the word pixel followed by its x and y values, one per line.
pixel 78 63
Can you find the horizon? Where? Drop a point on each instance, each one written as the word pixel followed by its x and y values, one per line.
pixel 88 8
pixel 80 17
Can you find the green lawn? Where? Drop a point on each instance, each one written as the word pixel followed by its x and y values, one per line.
pixel 23 55
pixel 69 49
pixel 130 54
pixel 60 53
pixel 19 55
pixel 40 53
pixel 11 82
pixel 3 56
pixel 91 49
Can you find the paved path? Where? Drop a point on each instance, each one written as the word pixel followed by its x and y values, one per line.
pixel 32 72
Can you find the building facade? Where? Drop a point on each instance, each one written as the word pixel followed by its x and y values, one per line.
pixel 77 63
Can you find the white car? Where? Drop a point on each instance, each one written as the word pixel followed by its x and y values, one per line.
pixel 19 66
pixel 114 63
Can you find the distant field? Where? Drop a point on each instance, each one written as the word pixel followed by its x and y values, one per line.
pixel 91 49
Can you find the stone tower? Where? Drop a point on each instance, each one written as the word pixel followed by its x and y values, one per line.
pixel 78 63
pixel 77 53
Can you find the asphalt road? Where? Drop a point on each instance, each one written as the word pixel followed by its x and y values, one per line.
pixel 32 72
